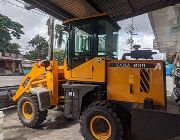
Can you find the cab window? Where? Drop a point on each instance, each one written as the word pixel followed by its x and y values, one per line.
pixel 82 40
pixel 107 39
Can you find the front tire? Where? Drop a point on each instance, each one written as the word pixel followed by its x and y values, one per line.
pixel 100 122
pixel 29 113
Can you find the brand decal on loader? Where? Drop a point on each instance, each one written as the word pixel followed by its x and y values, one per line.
pixel 26 82
pixel 135 65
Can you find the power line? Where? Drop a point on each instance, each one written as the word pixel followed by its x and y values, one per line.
pixel 22 2
pixel 10 3
pixel 24 39
pixel 25 14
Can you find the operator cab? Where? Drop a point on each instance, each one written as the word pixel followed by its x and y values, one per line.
pixel 88 38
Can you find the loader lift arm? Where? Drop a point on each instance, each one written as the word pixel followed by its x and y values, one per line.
pixel 27 81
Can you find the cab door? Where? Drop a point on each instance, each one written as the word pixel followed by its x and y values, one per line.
pixel 81 60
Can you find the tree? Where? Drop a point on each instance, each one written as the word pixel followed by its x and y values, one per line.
pixel 13 48
pixel 59 34
pixel 59 55
pixel 8 30
pixel 61 39
pixel 31 55
pixel 39 48
pixel 10 48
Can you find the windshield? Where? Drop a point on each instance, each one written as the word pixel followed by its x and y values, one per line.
pixel 107 39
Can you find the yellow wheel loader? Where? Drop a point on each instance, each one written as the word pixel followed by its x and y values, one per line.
pixel 110 97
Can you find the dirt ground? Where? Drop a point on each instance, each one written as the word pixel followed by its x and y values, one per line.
pixel 56 127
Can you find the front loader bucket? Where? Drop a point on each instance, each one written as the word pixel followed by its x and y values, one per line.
pixel 159 123
pixel 5 96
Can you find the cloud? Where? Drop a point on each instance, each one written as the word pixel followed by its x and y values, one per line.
pixel 145 40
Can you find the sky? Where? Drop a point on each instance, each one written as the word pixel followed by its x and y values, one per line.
pixel 143 30
pixel 34 23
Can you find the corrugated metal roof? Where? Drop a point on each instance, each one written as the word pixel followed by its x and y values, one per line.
pixel 77 8
pixel 116 9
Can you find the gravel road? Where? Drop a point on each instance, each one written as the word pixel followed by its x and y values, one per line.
pixel 10 80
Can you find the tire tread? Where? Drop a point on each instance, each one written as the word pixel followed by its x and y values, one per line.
pixel 40 115
pixel 106 106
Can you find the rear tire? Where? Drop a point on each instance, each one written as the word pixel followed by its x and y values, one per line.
pixel 29 113
pixel 100 122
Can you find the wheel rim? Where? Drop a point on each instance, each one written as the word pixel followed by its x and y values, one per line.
pixel 27 110
pixel 100 127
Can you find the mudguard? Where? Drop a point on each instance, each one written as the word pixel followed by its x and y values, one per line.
pixel 43 95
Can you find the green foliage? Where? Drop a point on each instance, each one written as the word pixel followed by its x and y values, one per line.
pixel 8 30
pixel 31 55
pixel 10 48
pixel 59 34
pixel 40 48
pixel 59 28
pixel 13 48
pixel 59 55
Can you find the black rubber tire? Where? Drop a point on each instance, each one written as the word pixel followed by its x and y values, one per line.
pixel 105 109
pixel 38 116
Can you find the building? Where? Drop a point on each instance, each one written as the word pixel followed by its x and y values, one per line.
pixel 166 26
pixel 10 63
pixel 27 66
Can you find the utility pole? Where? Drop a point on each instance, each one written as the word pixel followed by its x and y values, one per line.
pixel 131 31
pixel 50 24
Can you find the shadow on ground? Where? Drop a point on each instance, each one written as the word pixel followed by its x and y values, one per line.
pixel 13 129
pixel 57 121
